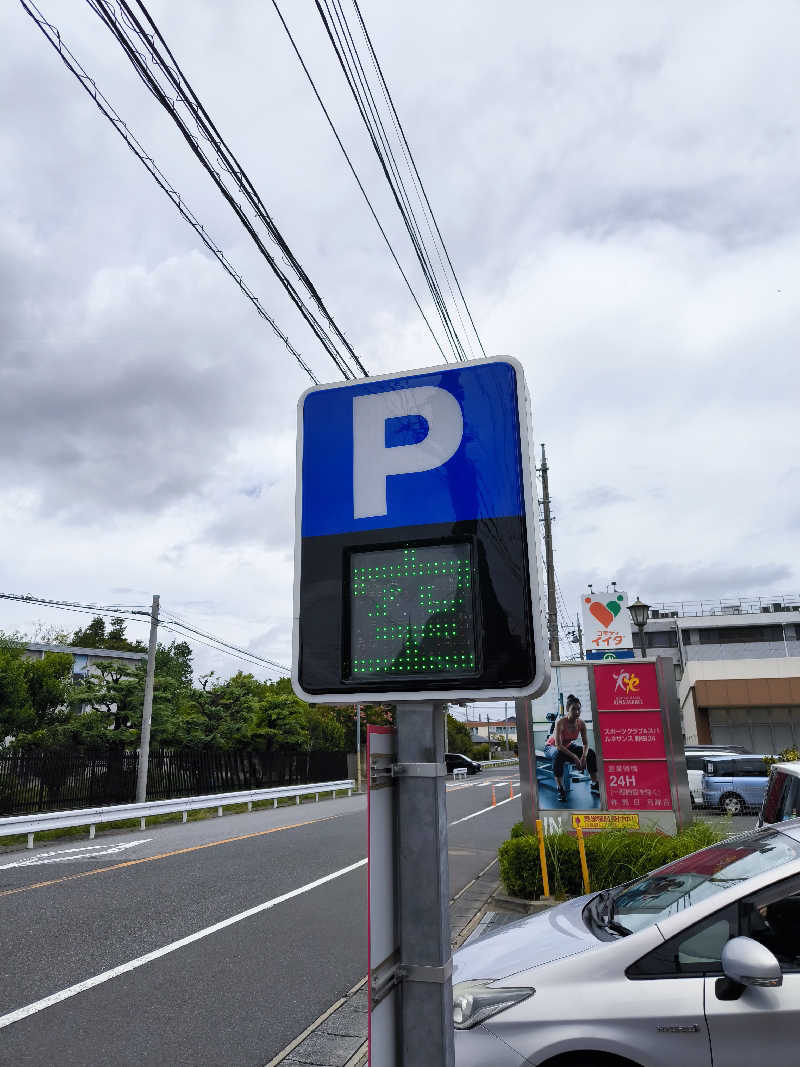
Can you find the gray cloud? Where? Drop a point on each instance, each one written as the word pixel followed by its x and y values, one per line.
pixel 618 192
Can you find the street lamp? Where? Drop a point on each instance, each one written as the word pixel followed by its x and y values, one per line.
pixel 640 613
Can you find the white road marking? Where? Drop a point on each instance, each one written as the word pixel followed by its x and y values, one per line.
pixel 475 814
pixel 140 961
pixel 84 852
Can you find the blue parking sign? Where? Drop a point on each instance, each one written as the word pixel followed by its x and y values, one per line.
pixel 416 563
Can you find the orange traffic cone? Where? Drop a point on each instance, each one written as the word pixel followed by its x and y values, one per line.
pixel 494 799
pixel 511 791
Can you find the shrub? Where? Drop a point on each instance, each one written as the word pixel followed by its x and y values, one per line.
pixel 612 856
pixel 480 752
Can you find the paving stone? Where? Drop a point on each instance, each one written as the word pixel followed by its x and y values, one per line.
pixel 346 1022
pixel 325 1050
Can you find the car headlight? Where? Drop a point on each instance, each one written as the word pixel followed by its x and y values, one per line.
pixel 474 1002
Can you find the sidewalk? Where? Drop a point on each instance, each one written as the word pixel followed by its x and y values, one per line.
pixel 339 1037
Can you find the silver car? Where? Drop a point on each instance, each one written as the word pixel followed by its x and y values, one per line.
pixel 698 963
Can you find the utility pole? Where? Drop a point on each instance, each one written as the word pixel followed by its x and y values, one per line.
pixel 147 710
pixel 552 611
pixel 580 634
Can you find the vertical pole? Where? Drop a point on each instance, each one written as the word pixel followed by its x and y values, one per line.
pixel 529 787
pixel 542 859
pixel 358 748
pixel 426 1010
pixel 582 853
pixel 552 611
pixel 147 710
pixel 580 634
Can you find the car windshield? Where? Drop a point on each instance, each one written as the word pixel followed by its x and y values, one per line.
pixel 693 878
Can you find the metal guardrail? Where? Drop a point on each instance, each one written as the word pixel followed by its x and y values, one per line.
pixel 94 817
pixel 499 763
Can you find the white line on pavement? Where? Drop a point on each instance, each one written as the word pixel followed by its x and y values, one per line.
pixel 475 814
pixel 84 852
pixel 131 965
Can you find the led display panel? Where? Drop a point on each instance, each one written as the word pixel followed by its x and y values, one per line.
pixel 411 612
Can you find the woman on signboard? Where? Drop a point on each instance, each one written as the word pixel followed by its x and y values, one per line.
pixel 563 747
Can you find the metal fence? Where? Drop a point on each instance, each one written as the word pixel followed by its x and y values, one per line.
pixel 32 781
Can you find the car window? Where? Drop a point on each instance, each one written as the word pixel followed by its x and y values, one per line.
pixel 751 768
pixel 696 951
pixel 694 763
pixel 783 797
pixel 772 918
pixel 694 878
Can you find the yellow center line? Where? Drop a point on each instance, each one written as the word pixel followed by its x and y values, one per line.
pixel 163 856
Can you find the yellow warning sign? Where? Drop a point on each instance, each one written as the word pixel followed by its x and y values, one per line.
pixel 605 821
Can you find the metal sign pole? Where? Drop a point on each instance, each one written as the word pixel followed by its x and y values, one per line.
pixel 528 784
pixel 426 967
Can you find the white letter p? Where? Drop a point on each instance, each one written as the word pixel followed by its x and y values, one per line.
pixel 373 462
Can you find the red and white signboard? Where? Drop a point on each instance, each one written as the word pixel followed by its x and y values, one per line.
pixel 625 685
pixel 637 785
pixel 632 735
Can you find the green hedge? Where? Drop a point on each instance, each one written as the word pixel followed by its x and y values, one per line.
pixel 612 856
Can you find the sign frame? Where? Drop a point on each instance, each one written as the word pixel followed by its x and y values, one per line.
pixel 530 515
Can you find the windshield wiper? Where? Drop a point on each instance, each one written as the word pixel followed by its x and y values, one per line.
pixel 612 924
pixel 601 909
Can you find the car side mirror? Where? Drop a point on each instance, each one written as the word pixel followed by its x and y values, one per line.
pixel 749 963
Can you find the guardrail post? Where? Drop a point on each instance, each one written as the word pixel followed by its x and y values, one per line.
pixel 219 811
pixel 143 821
pixel 249 805
pixel 185 815
pixel 91 831
pixel 297 798
pixel 349 792
pixel 316 798
pixel 30 840
pixel 274 802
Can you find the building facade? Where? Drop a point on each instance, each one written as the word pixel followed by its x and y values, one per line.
pixel 737 665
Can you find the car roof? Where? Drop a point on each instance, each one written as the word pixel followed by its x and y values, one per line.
pixel 789 767
pixel 735 750
pixel 739 755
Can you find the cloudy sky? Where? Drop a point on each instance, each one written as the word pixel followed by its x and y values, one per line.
pixel 617 185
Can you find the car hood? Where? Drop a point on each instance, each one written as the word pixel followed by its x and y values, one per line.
pixel 531 942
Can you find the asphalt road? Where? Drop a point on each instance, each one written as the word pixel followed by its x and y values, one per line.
pixel 250 927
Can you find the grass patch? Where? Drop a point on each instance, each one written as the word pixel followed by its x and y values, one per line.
pixel 612 856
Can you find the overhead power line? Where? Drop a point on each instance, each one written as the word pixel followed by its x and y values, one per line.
pixel 253 660
pixel 53 36
pixel 175 621
pixel 113 611
pixel 347 52
pixel 346 155
pixel 157 65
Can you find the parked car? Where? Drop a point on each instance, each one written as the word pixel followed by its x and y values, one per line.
pixel 696 756
pixel 693 964
pixel 456 759
pixel 734 784
pixel 782 799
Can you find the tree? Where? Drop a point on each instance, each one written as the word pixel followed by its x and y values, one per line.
pixel 95 636
pixel 458 736
pixel 115 695
pixel 15 709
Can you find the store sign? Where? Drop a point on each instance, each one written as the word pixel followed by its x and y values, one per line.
pixel 606 622
pixel 604 820
pixel 626 686
pixel 638 785
pixel 632 735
